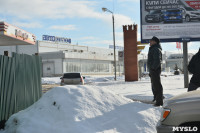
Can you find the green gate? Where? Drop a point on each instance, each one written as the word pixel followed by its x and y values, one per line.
pixel 20 83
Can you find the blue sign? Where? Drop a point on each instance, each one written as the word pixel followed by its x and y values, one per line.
pixel 56 39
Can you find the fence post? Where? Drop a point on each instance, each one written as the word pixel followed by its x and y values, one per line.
pixel 6 53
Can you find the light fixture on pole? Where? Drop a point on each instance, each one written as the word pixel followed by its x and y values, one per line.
pixel 106 10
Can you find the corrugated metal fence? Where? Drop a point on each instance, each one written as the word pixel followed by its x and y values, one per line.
pixel 20 83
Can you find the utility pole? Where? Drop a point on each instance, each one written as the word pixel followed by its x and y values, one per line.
pixel 114 47
pixel 113 19
pixel 185 63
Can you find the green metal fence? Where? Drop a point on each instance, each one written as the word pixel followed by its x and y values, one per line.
pixel 20 83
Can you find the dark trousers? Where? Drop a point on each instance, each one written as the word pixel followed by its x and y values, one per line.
pixel 157 86
pixel 153 90
pixel 192 86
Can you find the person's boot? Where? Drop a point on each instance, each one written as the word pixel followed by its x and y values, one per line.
pixel 154 99
pixel 157 105
pixel 163 97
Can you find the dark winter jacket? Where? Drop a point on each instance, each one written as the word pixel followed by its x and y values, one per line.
pixel 154 57
pixel 194 68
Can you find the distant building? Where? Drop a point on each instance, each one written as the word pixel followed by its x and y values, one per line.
pixel 176 59
pixel 169 62
pixel 59 58
pixel 73 58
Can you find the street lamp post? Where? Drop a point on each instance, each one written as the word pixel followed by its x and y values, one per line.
pixel 106 10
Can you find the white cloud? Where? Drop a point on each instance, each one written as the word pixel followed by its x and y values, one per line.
pixel 128 0
pixel 63 27
pixel 104 42
pixel 28 24
pixel 119 19
pixel 119 35
pixel 87 38
pixel 47 8
pixel 122 20
pixel 138 36
pixel 59 9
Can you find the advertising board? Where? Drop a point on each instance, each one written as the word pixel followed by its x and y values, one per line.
pixel 56 39
pixel 12 35
pixel 170 20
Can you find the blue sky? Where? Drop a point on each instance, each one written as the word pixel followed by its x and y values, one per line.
pixel 81 20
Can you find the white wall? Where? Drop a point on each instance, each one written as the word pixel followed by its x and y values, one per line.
pixel 22 49
pixel 58 66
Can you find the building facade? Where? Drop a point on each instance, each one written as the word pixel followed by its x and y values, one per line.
pixel 59 58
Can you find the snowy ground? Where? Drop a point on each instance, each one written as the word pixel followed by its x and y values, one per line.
pixel 101 106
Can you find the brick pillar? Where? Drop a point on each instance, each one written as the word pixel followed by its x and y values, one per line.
pixel 130 53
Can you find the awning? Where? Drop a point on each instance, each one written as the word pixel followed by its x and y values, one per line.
pixel 11 36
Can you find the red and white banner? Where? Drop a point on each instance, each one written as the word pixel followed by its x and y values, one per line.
pixel 194 4
pixel 178 45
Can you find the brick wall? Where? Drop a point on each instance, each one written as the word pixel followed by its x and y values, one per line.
pixel 130 52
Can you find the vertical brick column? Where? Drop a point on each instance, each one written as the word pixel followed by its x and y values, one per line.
pixel 130 53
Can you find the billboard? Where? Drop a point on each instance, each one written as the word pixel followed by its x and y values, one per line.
pixel 170 20
pixel 56 39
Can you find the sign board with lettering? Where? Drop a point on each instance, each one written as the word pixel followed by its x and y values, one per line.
pixel 170 20
pixel 11 35
pixel 121 55
pixel 116 47
pixel 56 39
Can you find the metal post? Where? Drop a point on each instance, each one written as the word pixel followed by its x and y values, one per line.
pixel 5 53
pixel 114 44
pixel 185 64
pixel 17 49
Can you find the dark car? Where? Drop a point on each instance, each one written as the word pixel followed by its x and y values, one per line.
pixel 173 15
pixel 154 16
pixel 72 78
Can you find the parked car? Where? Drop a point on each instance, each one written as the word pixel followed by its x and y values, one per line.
pixel 173 15
pixel 154 16
pixel 72 78
pixel 190 13
pixel 181 113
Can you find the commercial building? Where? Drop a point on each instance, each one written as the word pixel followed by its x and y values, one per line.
pixel 59 57
pixel 62 58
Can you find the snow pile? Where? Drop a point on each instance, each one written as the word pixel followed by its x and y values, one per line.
pixel 84 109
pixel 51 80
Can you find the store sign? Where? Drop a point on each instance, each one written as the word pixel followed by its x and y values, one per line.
pixel 170 20
pixel 9 30
pixel 120 55
pixel 116 47
pixel 19 33
pixel 56 39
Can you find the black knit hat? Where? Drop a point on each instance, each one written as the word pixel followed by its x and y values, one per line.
pixel 155 39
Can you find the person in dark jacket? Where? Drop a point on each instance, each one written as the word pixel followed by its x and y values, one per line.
pixel 194 68
pixel 154 66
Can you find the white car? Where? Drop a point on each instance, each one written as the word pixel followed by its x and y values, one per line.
pixel 190 13
pixel 72 78
pixel 181 114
